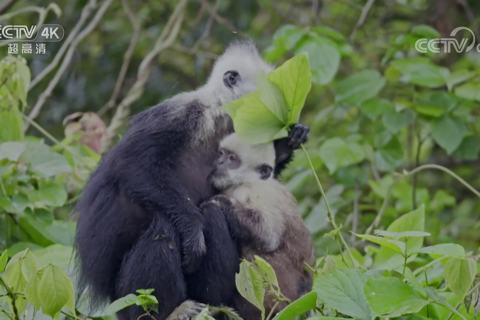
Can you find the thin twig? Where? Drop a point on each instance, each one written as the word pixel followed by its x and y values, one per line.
pixel 11 294
pixel 208 28
pixel 351 4
pixel 206 54
pixel 66 61
pixel 86 12
pixel 330 215
pixel 166 39
pixel 355 212
pixel 363 17
pixel 460 303
pixel 221 20
pixel 126 58
pixel 471 17
pixel 7 6
pixel 377 220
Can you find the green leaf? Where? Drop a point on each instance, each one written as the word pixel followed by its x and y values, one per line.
pixel 293 36
pixel 266 271
pixel 391 295
pixel 425 31
pixel 468 149
pixel 436 103
pixel 457 77
pixel 336 153
pixel 469 91
pixel 445 249
pixel 31 291
pixel 374 108
pixel 448 132
pixel 11 150
pixel 298 307
pixel 418 71
pixel 330 32
pixel 399 235
pixel 438 299
pixel 360 87
pixel 342 290
pixel 295 80
pixel 250 285
pixel 389 154
pixel 272 98
pixel 121 304
pixel 324 59
pixel 254 122
pixel 395 121
pixel 3 261
pixel 11 125
pixel 55 291
pixel 43 161
pixel 412 221
pixel 260 117
pixel 20 269
pixel 51 194
pixel 394 245
pixel 441 200
pixel 459 274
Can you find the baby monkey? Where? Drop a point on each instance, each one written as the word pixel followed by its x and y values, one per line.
pixel 263 217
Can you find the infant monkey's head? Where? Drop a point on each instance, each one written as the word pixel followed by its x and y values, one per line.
pixel 239 163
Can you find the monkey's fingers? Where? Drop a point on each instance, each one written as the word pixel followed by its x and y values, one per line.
pixel 298 135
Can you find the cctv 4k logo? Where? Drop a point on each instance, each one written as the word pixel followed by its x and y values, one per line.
pixel 24 33
pixel 448 45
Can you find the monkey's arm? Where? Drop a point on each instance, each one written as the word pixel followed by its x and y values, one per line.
pixel 167 196
pixel 285 147
pixel 246 224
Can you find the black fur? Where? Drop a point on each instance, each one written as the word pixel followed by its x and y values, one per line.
pixel 139 223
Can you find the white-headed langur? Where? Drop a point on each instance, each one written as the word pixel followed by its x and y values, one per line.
pixel 139 224
pixel 263 217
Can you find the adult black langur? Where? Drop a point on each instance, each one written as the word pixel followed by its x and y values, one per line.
pixel 139 224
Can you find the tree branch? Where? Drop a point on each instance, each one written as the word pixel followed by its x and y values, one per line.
pixel 86 12
pixel 126 58
pixel 362 19
pixel 221 20
pixel 165 40
pixel 8 4
pixel 66 61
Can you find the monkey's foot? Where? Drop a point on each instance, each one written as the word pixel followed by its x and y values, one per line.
pixel 298 135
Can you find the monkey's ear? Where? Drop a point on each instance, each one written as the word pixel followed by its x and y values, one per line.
pixel 265 171
pixel 231 78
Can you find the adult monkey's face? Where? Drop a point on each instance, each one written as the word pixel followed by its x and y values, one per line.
pixel 235 73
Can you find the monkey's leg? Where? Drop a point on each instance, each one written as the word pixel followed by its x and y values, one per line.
pixel 154 263
pixel 214 282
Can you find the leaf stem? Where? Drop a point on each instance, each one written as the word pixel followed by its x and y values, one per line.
pixel 331 218
pixel 377 220
pixel 12 297
pixel 270 314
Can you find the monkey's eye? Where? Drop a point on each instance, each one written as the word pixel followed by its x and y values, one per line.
pixel 232 157
pixel 231 78
pixel 221 153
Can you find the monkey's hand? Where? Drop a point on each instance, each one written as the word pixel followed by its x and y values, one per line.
pixel 193 249
pixel 298 135
pixel 221 201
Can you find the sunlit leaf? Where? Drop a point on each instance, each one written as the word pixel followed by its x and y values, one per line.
pixel 391 295
pixel 342 290
pixel 360 87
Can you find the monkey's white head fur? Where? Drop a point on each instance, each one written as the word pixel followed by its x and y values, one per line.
pixel 251 157
pixel 242 57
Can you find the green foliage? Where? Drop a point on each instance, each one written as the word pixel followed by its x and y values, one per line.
pixel 378 111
